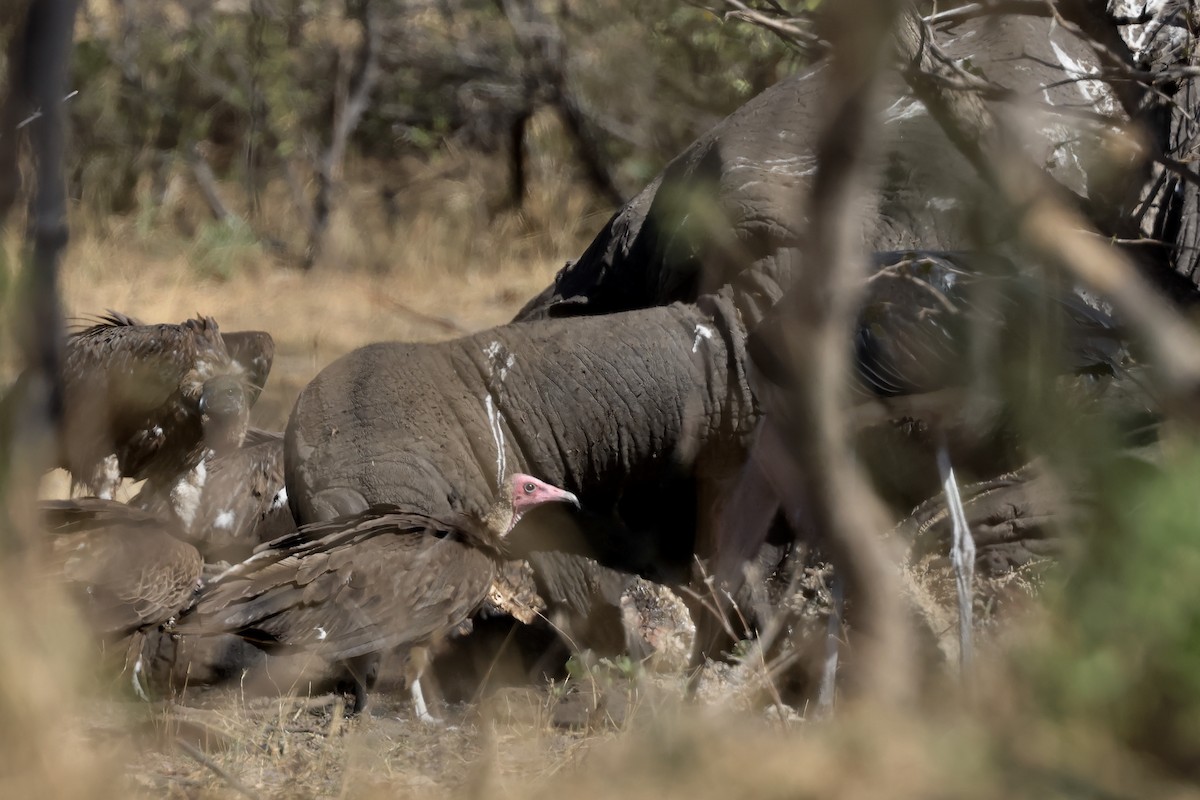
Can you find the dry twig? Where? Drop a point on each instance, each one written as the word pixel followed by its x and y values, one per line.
pixel 350 104
pixel 202 759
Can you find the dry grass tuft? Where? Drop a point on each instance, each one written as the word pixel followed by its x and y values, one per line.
pixel 46 747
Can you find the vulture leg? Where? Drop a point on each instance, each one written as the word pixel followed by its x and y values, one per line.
pixel 136 678
pixel 364 671
pixel 833 639
pixel 137 673
pixel 962 556
pixel 419 707
pixel 418 659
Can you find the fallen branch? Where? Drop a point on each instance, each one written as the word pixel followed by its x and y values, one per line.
pixel 445 323
pixel 202 759
pixel 817 316
pixel 206 181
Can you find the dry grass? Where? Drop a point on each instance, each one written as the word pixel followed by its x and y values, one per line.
pixel 440 266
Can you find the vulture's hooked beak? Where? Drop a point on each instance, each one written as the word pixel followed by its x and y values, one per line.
pixel 529 492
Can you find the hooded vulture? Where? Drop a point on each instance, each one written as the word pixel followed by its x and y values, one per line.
pixel 352 588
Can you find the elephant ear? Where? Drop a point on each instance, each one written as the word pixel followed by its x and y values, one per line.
pixel 702 222
pixel 724 208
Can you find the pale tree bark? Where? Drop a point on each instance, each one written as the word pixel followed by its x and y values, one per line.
pixel 540 42
pixel 351 99
pixel 817 318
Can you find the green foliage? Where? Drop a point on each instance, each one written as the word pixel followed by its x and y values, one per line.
pixel 604 672
pixel 1125 652
pixel 257 88
pixel 221 248
pixel 743 649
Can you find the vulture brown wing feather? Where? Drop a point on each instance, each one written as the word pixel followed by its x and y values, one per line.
pixel 366 585
pixel 254 351
pixel 241 505
pixel 123 564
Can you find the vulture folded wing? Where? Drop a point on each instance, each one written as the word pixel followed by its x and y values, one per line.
pixel 125 567
pixel 351 586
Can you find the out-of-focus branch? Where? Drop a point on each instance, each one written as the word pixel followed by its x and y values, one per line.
pixel 792 29
pixel 38 69
pixel 1051 226
pixel 817 322
pixel 1036 8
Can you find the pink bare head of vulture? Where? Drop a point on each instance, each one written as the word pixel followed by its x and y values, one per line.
pixel 527 493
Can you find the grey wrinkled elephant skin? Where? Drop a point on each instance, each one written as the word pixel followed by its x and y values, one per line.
pixel 594 405
pixel 722 210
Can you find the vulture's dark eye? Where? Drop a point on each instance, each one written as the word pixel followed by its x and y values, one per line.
pixel 529 487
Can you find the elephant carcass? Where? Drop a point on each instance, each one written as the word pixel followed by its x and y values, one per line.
pixel 602 407
pixel 1168 218
pixel 723 208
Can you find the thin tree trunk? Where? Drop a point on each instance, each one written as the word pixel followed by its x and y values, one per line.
pixel 348 110
pixel 39 60
pixel 517 179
